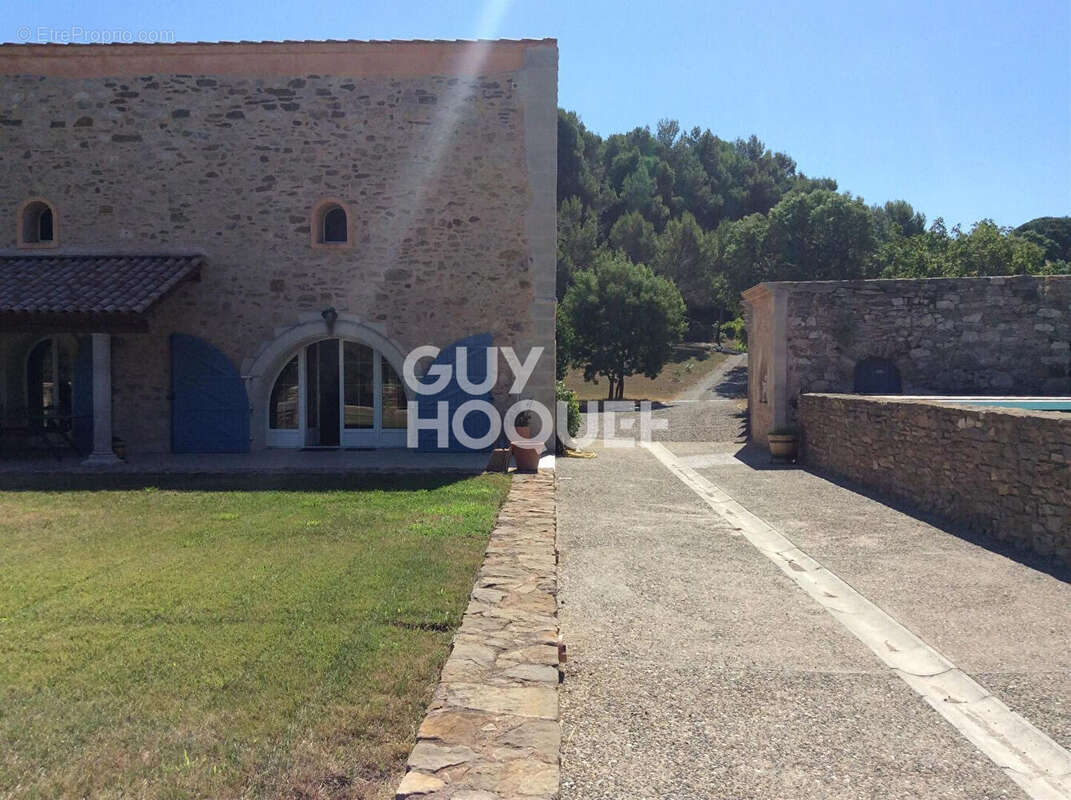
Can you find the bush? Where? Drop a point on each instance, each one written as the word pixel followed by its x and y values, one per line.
pixel 736 329
pixel 568 396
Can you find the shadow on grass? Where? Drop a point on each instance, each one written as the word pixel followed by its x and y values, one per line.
pixel 224 482
pixel 758 458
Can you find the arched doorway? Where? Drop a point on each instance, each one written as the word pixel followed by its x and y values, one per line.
pixel 49 382
pixel 337 392
pixel 875 375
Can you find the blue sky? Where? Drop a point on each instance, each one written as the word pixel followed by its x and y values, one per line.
pixel 961 108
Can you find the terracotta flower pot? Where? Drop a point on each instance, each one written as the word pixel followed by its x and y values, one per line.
pixel 526 456
pixel 783 445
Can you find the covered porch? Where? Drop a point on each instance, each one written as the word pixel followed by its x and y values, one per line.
pixel 58 314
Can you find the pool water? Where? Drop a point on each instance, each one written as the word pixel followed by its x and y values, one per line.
pixel 1030 403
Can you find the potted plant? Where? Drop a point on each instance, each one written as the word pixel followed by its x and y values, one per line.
pixel 525 454
pixel 784 442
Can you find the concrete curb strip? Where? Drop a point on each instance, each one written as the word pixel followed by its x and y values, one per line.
pixel 492 730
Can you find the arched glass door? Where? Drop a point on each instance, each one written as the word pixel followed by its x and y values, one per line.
pixel 49 369
pixel 337 393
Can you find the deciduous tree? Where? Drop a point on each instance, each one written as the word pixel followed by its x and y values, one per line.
pixel 625 320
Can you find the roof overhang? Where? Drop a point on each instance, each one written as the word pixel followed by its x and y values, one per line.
pixel 75 293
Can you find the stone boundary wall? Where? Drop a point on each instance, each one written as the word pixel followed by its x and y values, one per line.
pixel 492 730
pixel 1002 335
pixel 994 335
pixel 1001 471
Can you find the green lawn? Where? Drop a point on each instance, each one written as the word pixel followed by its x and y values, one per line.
pixel 159 643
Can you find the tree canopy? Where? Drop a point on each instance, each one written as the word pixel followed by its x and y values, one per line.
pixel 713 217
pixel 716 216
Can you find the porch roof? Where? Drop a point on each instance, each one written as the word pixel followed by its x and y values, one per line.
pixel 88 292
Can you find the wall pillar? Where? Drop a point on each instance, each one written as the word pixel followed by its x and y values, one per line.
pixel 779 358
pixel 102 402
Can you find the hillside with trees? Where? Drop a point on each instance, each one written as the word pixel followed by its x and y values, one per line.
pixel 715 217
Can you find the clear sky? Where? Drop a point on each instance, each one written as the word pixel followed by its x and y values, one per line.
pixel 961 107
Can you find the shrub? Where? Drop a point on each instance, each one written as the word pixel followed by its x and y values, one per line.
pixel 736 329
pixel 564 395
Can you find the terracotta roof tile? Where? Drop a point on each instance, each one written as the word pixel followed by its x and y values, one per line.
pixel 90 284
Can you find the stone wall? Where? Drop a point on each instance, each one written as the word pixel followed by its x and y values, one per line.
pixel 492 729
pixel 998 470
pixel 446 167
pixel 986 336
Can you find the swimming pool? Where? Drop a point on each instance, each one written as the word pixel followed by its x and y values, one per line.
pixel 1029 403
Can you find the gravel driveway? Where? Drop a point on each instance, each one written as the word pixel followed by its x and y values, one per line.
pixel 697 669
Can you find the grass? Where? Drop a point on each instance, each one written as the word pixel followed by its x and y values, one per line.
pixel 173 644
pixel 690 364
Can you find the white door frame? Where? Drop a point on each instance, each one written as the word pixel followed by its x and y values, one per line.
pixel 376 436
pixel 293 438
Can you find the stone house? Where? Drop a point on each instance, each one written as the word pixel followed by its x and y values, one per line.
pixel 938 336
pixel 225 247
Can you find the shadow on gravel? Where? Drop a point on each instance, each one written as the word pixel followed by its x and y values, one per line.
pixel 758 458
pixel 733 383
pixel 596 406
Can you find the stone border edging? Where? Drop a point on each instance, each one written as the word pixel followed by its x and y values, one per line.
pixel 492 729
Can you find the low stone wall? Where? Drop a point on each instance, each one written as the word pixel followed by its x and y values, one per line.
pixel 1001 471
pixel 492 731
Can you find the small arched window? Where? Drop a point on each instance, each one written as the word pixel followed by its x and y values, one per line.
pixel 37 224
pixel 334 229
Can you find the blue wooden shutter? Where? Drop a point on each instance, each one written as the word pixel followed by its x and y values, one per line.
pixel 476 425
pixel 209 405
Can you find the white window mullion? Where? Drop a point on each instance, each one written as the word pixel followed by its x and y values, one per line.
pixel 303 394
pixel 377 393
pixel 341 392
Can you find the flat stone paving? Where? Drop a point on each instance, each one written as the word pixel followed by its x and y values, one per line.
pixel 492 730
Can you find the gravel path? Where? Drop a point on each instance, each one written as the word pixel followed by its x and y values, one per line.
pixel 698 670
pixel 713 410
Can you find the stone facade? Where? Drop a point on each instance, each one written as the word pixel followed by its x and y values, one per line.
pixel 986 336
pixel 443 154
pixel 1003 471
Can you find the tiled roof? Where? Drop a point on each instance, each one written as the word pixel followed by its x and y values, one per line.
pixel 272 42
pixel 90 284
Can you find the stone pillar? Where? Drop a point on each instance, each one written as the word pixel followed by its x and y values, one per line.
pixel 779 359
pixel 102 402
pixel 538 86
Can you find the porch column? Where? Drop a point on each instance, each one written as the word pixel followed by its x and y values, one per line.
pixel 102 402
